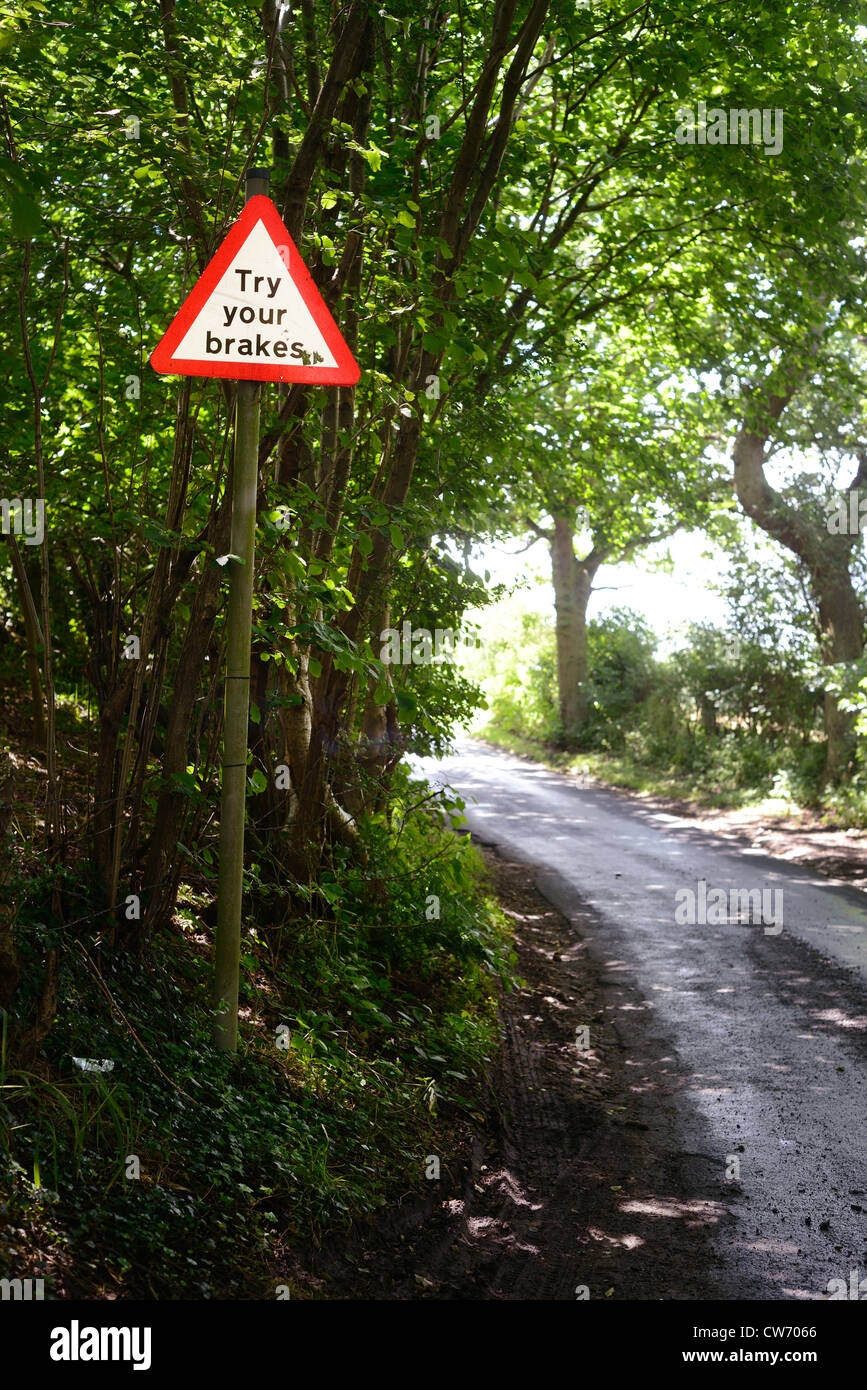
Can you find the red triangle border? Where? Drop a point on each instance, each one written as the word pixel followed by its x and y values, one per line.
pixel 258 209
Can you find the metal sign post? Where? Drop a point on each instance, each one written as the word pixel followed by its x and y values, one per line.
pixel 236 703
pixel 254 315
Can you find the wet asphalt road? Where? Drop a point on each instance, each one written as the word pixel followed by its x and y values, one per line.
pixel 749 1043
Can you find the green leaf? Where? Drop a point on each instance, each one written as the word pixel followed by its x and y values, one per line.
pixel 396 537
pixel 26 217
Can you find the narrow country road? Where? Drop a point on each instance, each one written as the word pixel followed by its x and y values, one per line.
pixel 748 1043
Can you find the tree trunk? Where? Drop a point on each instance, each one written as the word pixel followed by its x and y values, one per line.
pixel 707 709
pixel 9 966
pixel 827 558
pixel 33 634
pixel 573 583
pixel 842 621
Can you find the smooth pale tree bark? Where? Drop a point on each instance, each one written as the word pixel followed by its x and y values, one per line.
pixel 573 579
pixel 573 584
pixel 826 556
pixel 842 618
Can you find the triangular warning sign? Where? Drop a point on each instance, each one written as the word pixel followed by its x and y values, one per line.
pixel 256 313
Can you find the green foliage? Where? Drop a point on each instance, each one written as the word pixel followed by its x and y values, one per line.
pixel 517 672
pixel 533 294
pixel 719 717
pixel 620 664
pixel 384 976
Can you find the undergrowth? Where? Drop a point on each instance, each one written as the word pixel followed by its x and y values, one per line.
pixel 368 1018
pixel 720 774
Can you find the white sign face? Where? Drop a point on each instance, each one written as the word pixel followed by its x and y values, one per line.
pixel 256 313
